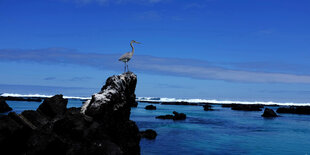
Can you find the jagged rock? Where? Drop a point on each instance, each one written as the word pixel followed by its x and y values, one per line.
pixel 114 99
pixel 150 107
pixel 269 113
pixel 35 118
pixel 176 116
pixel 207 107
pixel 54 129
pixel 4 107
pixel 134 104
pixel 148 134
pixel 295 110
pixel 53 106
pixel 247 107
pixel 13 135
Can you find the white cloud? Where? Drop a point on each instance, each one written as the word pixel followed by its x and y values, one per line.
pixel 157 65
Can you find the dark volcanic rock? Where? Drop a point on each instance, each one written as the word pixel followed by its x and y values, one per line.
pixel 29 99
pixel 134 104
pixel 247 107
pixel 35 118
pixel 295 110
pixel 269 113
pixel 54 129
pixel 150 107
pixel 114 100
pixel 4 107
pixel 165 117
pixel 207 107
pixel 227 105
pixel 176 116
pixel 53 106
pixel 179 116
pixel 148 134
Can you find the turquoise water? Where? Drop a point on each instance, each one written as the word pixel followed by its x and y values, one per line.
pixel 221 131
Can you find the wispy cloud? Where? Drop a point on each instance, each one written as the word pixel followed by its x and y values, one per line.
pixel 104 2
pixel 50 78
pixel 80 78
pixel 149 64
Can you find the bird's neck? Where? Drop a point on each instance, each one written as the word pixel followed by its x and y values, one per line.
pixel 133 49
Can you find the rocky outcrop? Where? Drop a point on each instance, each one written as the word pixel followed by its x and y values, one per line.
pixel 4 107
pixel 247 107
pixel 148 134
pixel 150 107
pixel 135 104
pixel 101 126
pixel 207 107
pixel 176 116
pixel 269 113
pixel 178 103
pixel 295 110
pixel 54 106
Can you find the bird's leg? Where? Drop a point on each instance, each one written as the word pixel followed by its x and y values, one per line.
pixel 125 68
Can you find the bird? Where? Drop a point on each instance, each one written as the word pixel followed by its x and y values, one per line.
pixel 127 56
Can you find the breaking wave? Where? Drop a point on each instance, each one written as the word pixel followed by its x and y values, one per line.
pixel 42 96
pixel 157 99
pixel 164 99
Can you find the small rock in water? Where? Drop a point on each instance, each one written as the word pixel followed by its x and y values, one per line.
pixel 150 107
pixel 176 116
pixel 269 113
pixel 4 107
pixel 207 107
pixel 148 134
pixel 165 117
pixel 179 116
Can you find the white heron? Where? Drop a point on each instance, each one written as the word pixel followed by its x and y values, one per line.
pixel 127 56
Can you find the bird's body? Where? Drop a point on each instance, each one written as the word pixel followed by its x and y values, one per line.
pixel 127 56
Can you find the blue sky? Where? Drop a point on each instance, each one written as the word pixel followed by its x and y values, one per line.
pixel 211 49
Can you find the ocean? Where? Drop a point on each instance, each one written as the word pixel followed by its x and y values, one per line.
pixel 222 131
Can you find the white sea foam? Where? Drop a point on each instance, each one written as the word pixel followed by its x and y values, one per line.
pixel 42 96
pixel 157 99
pixel 164 99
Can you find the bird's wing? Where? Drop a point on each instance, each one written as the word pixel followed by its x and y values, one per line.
pixel 125 56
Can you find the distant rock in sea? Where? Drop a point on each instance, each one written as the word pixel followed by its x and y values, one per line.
pixel 150 107
pixel 176 116
pixel 246 107
pixel 269 113
pixel 102 126
pixel 207 107
pixel 295 110
pixel 148 134
pixel 4 107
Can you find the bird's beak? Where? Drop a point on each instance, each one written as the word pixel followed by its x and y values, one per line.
pixel 138 42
